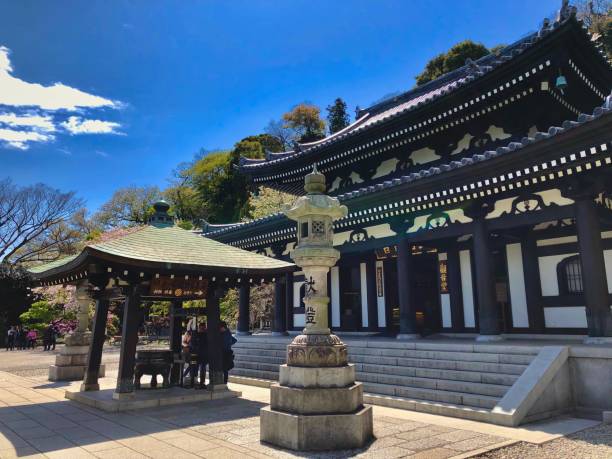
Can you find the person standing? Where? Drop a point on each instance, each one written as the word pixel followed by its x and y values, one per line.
pixel 20 338
pixel 10 338
pixel 32 337
pixel 227 341
pixel 202 350
pixel 187 343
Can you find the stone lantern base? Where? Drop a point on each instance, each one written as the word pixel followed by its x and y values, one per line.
pixel 316 406
pixel 71 362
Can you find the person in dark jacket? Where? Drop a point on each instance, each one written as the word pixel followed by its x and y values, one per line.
pixel 227 341
pixel 202 351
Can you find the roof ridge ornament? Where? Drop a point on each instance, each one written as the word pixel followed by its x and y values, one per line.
pixel 161 218
pixel 566 11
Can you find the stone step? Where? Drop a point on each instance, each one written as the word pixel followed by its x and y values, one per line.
pixel 452 347
pixel 491 390
pixel 520 359
pixel 257 352
pixel 258 374
pixel 433 395
pixel 399 363
pixel 256 344
pixel 429 406
pixel 468 376
pixel 256 365
pixel 440 364
pixel 261 358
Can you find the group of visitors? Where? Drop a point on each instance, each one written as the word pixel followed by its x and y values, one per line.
pixel 20 338
pixel 195 354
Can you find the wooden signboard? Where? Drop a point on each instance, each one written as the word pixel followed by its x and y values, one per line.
pixel 178 287
pixel 443 270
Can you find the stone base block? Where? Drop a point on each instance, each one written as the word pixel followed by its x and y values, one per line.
pixel 70 373
pixel 598 340
pixel 489 338
pixel 316 400
pixel 607 417
pixel 316 432
pixel 71 360
pixel 408 336
pixel 308 377
pixel 71 350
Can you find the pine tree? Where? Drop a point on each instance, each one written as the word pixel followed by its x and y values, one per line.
pixel 337 118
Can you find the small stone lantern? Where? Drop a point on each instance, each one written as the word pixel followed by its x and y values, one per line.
pixel 316 405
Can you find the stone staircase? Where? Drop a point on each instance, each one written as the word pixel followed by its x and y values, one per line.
pixel 436 376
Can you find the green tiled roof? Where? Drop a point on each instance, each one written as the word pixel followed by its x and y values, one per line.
pixel 176 246
pixel 52 264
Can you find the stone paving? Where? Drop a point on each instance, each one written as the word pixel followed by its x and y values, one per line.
pixel 37 421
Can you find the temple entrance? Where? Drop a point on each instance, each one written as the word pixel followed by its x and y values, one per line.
pixel 350 297
pixel 425 293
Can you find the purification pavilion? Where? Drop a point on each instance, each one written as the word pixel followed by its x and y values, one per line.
pixel 479 202
pixel 158 262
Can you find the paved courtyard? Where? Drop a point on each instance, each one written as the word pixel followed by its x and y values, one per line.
pixel 37 421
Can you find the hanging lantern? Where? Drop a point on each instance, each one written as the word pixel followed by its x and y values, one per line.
pixel 561 82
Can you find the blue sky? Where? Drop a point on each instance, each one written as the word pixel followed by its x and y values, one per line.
pixel 98 95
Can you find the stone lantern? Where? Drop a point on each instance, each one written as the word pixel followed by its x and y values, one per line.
pixel 316 405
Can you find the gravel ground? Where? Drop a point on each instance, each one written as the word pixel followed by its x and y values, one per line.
pixel 593 443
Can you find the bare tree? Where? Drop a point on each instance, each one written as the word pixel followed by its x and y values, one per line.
pixel 34 222
pixel 128 206
pixel 285 135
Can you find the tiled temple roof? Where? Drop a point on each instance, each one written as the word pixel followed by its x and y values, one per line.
pixel 603 111
pixel 417 97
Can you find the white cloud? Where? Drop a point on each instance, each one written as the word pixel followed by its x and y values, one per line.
pixel 76 125
pixel 19 93
pixel 102 153
pixel 20 139
pixel 36 122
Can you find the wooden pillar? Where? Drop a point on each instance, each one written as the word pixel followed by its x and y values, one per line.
pixel 129 340
pixel 279 324
pixel 215 346
pixel 488 313
pixel 94 358
pixel 533 288
pixel 372 297
pixel 175 339
pixel 289 301
pixel 454 288
pixel 595 285
pixel 244 298
pixel 408 325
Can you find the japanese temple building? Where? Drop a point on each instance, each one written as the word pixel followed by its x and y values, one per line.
pixel 479 202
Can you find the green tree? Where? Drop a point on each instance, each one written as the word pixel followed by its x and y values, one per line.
pixel 305 120
pixel 451 60
pixel 337 118
pixel 268 201
pixel 128 207
pixel 597 16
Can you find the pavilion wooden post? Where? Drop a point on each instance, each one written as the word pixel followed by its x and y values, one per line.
pixel 175 339
pixel 244 299
pixel 94 358
pixel 279 324
pixel 454 288
pixel 215 345
pixel 408 326
pixel 129 340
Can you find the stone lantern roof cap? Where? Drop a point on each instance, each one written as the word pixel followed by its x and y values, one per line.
pixel 314 182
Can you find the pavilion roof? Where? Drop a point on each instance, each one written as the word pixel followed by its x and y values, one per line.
pixel 166 247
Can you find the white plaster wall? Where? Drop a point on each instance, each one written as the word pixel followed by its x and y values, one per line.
pixel 335 296
pixel 296 293
pixel 548 273
pixel 516 279
pixel 557 240
pixel 363 278
pixel 380 300
pixel 466 288
pixel 385 167
pixel 608 261
pixel 299 320
pixel 424 155
pixel 566 317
